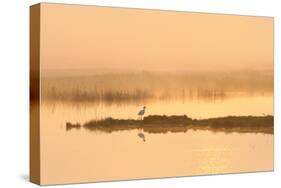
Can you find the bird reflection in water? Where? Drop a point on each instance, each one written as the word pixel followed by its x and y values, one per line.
pixel 142 136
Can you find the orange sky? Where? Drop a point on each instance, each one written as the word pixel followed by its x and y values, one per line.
pixel 90 37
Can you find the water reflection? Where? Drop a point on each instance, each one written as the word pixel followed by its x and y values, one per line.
pixel 142 136
pixel 235 106
pixel 143 150
pixel 126 156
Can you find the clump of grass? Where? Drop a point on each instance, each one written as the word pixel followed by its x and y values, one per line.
pixel 72 126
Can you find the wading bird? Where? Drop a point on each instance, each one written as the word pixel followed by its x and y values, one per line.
pixel 141 113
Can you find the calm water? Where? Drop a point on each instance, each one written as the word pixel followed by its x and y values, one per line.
pixel 81 155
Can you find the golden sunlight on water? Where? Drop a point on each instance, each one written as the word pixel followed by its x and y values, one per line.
pixel 79 155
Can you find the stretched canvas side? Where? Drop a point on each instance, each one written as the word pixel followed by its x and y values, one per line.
pixel 35 93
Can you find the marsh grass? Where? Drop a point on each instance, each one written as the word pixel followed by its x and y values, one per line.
pixel 164 124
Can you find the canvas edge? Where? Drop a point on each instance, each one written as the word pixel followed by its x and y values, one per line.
pixel 34 95
pixel 154 9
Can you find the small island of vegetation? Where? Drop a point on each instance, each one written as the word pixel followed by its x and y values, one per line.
pixel 164 124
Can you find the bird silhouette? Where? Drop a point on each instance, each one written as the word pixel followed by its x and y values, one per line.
pixel 141 113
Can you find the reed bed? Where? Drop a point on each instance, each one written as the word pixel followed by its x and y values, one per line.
pixel 125 87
